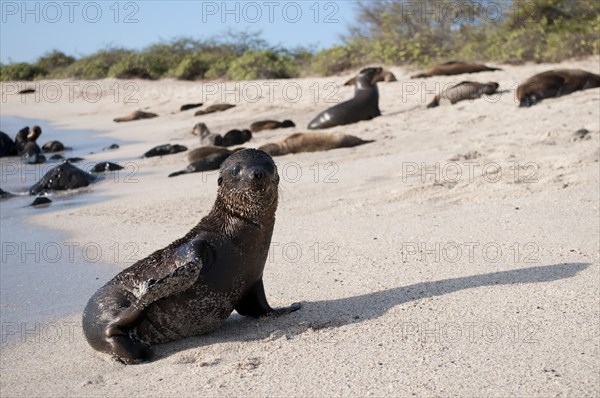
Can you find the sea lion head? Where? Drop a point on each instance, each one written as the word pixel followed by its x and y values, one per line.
pixel 34 133
pixel 248 183
pixel 368 77
pixel 491 88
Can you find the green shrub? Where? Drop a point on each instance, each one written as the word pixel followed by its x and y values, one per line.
pixel 332 61
pixel 54 61
pixel 21 71
pixel 95 66
pixel 264 64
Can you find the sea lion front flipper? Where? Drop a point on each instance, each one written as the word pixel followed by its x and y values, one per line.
pixel 177 281
pixel 255 304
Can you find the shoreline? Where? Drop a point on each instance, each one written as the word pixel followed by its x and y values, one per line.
pixel 415 279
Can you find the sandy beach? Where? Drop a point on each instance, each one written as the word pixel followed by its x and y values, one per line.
pixel 456 255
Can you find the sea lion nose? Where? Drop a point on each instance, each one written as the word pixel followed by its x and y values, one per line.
pixel 258 174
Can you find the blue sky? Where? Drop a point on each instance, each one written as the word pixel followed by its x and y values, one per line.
pixel 30 29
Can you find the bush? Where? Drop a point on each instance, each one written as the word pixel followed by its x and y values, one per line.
pixel 54 61
pixel 95 66
pixel 332 61
pixel 21 71
pixel 264 64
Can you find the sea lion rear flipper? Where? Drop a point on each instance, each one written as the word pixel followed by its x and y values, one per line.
pixel 255 304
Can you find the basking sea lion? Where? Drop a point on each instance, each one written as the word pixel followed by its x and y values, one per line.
pixel 554 83
pixel 364 105
pixel 166 149
pixel 233 137
pixel 214 108
pixel 202 152
pixel 464 91
pixel 190 106
pixel 104 167
pixel 311 142
pixel 270 125
pixel 206 137
pixel 62 177
pixel 191 286
pixel 454 68
pixel 54 146
pixel 7 146
pixel 384 76
pixel 209 162
pixel 27 147
pixel 137 115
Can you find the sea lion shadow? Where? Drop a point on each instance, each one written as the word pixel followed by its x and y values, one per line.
pixel 318 316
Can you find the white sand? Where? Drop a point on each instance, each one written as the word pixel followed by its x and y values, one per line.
pixel 516 314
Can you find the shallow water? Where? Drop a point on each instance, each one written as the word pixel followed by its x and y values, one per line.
pixel 43 275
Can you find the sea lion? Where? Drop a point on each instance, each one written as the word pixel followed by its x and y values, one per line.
pixel 214 108
pixel 54 146
pixel 384 76
pixel 364 105
pixel 27 147
pixel 137 115
pixel 209 162
pixel 233 137
pixel 206 137
pixel 454 68
pixel 7 146
pixel 191 286
pixel 202 152
pixel 62 177
pixel 190 106
pixel 166 149
pixel 555 83
pixel 104 167
pixel 270 125
pixel 312 142
pixel 464 91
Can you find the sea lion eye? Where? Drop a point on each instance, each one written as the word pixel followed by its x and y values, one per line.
pixel 235 170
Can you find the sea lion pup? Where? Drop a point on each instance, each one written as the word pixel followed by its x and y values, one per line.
pixel 27 147
pixel 191 286
pixel 270 125
pixel 384 76
pixel 166 149
pixel 62 177
pixel 190 106
pixel 312 142
pixel 364 105
pixel 554 83
pixel 7 146
pixel 233 137
pixel 464 91
pixel 137 115
pixel 202 152
pixel 214 108
pixel 209 162
pixel 454 68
